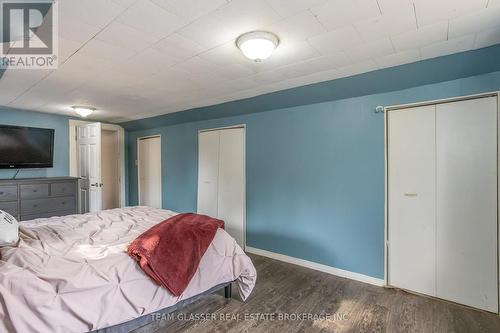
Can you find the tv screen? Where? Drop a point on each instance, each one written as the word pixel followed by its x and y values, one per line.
pixel 26 147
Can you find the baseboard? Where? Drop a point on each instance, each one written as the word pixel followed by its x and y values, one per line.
pixel 317 267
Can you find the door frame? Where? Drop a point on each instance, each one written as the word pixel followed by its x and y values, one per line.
pixel 139 165
pixel 244 127
pixel 73 160
pixel 388 109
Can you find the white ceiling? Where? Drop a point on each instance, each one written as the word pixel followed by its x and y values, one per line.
pixel 134 59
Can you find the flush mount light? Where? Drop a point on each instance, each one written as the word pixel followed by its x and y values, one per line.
pixel 83 111
pixel 257 45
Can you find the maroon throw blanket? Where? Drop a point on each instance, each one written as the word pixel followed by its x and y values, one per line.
pixel 171 251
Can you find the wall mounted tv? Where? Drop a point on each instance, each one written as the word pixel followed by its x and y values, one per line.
pixel 26 147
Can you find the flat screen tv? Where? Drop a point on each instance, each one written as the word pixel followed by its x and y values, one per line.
pixel 26 147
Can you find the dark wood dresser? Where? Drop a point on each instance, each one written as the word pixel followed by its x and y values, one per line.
pixel 32 198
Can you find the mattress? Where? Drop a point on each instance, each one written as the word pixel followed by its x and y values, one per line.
pixel 72 273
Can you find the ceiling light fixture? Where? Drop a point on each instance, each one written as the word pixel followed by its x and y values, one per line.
pixel 257 45
pixel 83 111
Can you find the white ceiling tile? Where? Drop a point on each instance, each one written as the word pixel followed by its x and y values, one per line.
pixel 363 67
pixel 230 21
pixel 393 6
pixel 96 13
pixel 150 61
pixel 487 38
pixel 190 9
pixel 455 45
pixel 399 58
pixel 15 82
pixel 337 40
pixel 392 22
pixel 290 7
pixel 151 19
pixel 335 14
pixel 423 36
pixel 485 19
pixel 296 27
pixel 430 11
pixel 96 49
pixel 227 54
pixel 201 71
pixel 235 85
pixel 67 48
pixel 304 68
pixel 493 3
pixel 370 50
pixel 178 47
pixel 75 30
pixel 124 36
pixel 289 52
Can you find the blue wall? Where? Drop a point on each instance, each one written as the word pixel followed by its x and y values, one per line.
pixel 315 174
pixel 61 140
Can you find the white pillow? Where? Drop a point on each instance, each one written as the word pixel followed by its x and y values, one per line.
pixel 9 229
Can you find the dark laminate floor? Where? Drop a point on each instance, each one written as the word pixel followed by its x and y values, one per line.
pixel 354 306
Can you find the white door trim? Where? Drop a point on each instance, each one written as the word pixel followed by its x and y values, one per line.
pixel 73 163
pixel 139 165
pixel 386 171
pixel 244 127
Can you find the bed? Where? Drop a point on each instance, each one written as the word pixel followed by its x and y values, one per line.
pixel 72 274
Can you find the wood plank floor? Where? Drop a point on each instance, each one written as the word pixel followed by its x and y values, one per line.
pixel 353 307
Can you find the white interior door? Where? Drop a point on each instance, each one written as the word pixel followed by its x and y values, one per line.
pixel 231 192
pixel 149 171
pixel 467 202
pixel 89 166
pixel 221 178
pixel 208 173
pixel 412 208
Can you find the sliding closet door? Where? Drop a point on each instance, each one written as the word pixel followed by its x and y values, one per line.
pixel 412 209
pixel 467 202
pixel 208 172
pixel 232 182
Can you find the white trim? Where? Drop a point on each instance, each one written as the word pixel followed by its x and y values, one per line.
pixel 440 101
pixel 318 267
pixel 138 168
pixel 73 163
pixel 223 128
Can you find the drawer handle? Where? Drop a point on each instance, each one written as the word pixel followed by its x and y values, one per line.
pixel 63 203
pixel 1 193
pixel 35 206
pixel 35 191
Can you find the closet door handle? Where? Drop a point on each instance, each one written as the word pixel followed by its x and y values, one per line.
pixel 410 194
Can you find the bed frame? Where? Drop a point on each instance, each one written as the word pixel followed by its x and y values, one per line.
pixel 148 319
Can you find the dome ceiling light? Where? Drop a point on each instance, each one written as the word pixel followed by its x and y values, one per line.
pixel 257 45
pixel 83 111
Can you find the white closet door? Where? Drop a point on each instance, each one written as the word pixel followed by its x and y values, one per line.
pixel 208 173
pixel 149 171
pixel 412 209
pixel 467 203
pixel 231 191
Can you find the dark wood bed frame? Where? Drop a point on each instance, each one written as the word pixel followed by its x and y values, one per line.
pixel 149 318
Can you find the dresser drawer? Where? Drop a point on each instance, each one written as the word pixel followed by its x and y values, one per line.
pixel 36 206
pixel 57 189
pixel 8 192
pixel 9 207
pixel 31 191
pixel 47 215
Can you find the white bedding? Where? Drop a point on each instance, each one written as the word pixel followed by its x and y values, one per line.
pixel 72 273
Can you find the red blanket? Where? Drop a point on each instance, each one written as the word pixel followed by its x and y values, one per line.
pixel 170 252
